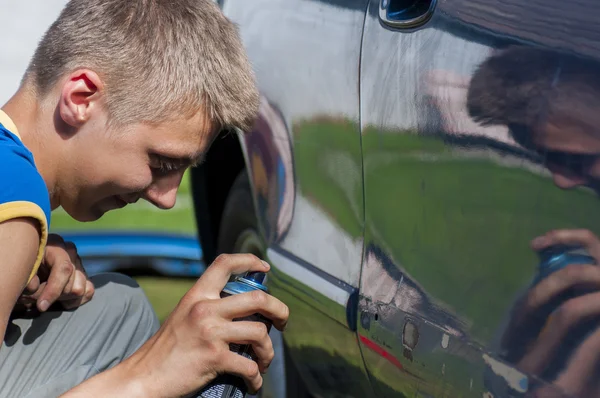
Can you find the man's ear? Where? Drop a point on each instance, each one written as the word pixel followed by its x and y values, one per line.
pixel 80 97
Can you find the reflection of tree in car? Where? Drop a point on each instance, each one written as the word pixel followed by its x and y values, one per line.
pixel 551 104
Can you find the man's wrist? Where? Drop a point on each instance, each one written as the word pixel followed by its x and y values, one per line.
pixel 119 381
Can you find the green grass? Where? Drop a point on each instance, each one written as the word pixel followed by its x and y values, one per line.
pixel 164 293
pixel 328 170
pixel 449 220
pixel 139 216
pixel 457 224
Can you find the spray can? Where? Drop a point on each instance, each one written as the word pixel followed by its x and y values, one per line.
pixel 557 257
pixel 229 386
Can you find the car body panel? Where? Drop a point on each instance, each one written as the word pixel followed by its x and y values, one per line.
pixel 399 215
pixel 316 258
pixel 451 205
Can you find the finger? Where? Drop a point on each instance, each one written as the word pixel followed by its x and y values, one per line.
pixel 581 370
pixel 555 332
pixel 74 255
pixel 61 274
pixel 36 295
pixel 532 311
pixel 70 304
pixel 78 288
pixel 218 273
pixel 245 368
pixel 572 237
pixel 255 334
pixel 242 305
pixel 55 240
pixel 32 286
pixel 559 282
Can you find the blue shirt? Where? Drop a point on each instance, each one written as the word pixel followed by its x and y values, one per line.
pixel 23 192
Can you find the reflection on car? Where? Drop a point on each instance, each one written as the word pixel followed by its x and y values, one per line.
pixel 409 173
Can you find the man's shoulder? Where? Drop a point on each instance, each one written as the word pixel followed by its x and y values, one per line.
pixel 21 185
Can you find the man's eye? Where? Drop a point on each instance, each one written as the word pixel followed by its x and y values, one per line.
pixel 163 166
pixel 166 167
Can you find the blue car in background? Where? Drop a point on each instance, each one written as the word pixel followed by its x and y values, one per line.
pixel 174 255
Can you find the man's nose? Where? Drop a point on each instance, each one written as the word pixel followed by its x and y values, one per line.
pixel 163 193
pixel 565 181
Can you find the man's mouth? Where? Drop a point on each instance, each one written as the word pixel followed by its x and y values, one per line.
pixel 121 202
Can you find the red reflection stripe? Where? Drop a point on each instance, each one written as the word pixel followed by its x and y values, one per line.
pixel 380 351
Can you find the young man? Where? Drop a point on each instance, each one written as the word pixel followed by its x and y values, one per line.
pixel 119 99
pixel 550 101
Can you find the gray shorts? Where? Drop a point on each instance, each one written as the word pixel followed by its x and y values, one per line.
pixel 46 355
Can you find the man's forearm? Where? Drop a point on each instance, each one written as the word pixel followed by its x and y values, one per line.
pixel 116 382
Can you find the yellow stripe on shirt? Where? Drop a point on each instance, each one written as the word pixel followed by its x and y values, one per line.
pixel 7 122
pixel 23 209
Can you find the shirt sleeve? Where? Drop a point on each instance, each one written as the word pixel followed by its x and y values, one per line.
pixel 23 193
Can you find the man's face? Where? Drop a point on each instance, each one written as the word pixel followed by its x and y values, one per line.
pixel 571 149
pixel 110 169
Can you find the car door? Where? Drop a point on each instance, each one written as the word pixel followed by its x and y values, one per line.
pixel 479 134
pixel 306 56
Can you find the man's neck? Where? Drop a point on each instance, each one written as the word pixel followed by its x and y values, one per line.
pixel 36 129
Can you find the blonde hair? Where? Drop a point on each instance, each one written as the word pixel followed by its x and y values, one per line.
pixel 158 59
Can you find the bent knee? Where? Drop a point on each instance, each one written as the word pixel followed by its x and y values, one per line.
pixel 123 298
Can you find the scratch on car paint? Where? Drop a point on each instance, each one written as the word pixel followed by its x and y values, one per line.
pixel 515 379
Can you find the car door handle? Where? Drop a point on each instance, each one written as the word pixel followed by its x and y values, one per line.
pixel 404 14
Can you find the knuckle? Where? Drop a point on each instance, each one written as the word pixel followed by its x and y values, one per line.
pixel 208 332
pixel 263 331
pixel 64 268
pixel 565 314
pixel 252 370
pixel 252 258
pixel 90 290
pixel 258 384
pixel 200 311
pixel 259 297
pixel 78 289
pixel 222 260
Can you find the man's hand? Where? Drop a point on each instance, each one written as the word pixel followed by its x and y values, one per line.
pixel 557 324
pixel 60 278
pixel 192 347
pixel 570 237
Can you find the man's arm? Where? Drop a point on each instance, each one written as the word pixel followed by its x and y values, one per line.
pixel 192 346
pixel 19 243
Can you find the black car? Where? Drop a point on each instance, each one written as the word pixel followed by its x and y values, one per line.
pixel 424 180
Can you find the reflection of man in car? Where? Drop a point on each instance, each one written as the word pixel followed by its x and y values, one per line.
pixel 550 102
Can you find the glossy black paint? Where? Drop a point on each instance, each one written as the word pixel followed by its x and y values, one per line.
pixel 401 177
pixel 456 162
